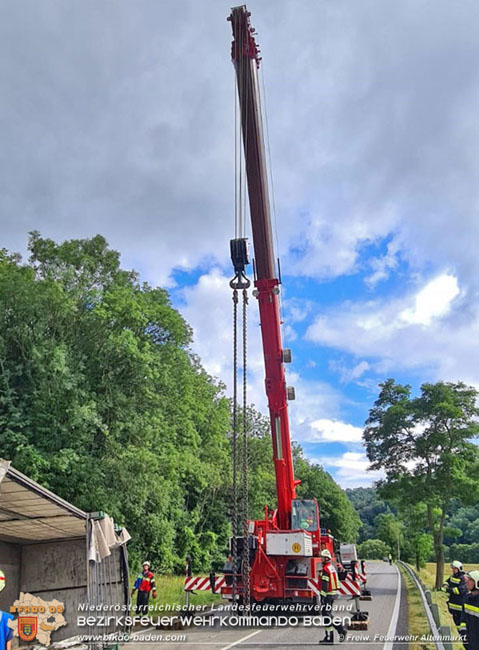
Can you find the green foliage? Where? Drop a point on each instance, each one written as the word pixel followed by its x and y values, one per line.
pixel 424 549
pixel 103 402
pixel 464 553
pixel 373 549
pixel 424 446
pixel 389 529
pixel 463 524
pixel 368 505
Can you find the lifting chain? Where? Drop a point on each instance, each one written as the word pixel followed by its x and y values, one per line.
pixel 239 282
pixel 234 526
pixel 246 534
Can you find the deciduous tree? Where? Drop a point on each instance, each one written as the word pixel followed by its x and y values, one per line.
pixel 424 445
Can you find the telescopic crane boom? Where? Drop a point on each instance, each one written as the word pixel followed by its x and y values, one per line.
pixel 246 61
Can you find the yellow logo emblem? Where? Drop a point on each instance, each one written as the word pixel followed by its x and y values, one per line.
pixel 296 547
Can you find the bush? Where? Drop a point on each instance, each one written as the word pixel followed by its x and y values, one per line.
pixel 466 553
pixel 373 549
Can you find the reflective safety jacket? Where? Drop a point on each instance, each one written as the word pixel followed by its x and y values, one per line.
pixel 470 620
pixel 329 580
pixel 145 581
pixel 455 586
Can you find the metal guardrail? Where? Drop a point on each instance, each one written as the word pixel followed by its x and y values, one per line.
pixel 437 630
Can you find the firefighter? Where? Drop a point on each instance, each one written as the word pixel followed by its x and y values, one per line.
pixel 455 587
pixel 470 614
pixel 305 520
pixel 329 592
pixel 145 583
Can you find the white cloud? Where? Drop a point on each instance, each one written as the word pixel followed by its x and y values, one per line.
pixel 348 374
pixel 325 430
pixel 208 309
pixel 374 138
pixel 434 328
pixel 297 310
pixel 289 334
pixel 382 266
pixel 433 301
pixel 350 469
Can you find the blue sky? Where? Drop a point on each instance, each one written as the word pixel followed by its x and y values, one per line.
pixel 118 118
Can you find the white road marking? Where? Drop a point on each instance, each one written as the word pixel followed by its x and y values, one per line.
pixel 248 636
pixel 395 615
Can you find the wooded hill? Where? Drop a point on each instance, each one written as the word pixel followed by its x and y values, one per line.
pixel 382 522
pixel 103 401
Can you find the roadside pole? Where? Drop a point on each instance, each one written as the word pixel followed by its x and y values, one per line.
pixel 187 575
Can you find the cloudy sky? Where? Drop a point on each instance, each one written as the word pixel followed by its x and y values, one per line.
pixel 118 118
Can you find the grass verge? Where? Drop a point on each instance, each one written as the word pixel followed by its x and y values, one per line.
pixel 428 577
pixel 416 616
pixel 170 592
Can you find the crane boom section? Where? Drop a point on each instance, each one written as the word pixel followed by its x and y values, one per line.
pixel 246 60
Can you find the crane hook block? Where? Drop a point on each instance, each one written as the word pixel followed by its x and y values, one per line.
pixel 239 257
pixel 239 254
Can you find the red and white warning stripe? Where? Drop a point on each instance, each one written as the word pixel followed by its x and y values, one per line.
pixel 199 583
pixel 314 586
pixel 347 587
pixel 363 578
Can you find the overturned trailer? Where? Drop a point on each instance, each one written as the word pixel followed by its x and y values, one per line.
pixel 55 551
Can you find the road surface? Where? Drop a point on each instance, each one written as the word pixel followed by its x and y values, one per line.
pixel 384 583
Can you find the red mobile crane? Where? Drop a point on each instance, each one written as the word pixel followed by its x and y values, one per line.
pixel 286 544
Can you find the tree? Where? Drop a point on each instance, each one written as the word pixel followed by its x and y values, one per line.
pixel 373 549
pixel 102 400
pixel 424 446
pixel 389 529
pixel 368 505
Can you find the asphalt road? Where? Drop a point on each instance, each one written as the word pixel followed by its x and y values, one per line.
pixel 383 581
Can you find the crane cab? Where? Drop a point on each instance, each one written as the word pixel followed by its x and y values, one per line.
pixel 305 516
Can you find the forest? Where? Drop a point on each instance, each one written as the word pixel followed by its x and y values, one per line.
pixel 382 525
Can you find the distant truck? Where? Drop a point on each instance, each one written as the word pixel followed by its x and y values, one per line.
pixel 348 554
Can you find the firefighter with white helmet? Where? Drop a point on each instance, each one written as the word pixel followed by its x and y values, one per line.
pixel 455 587
pixel 470 616
pixel 145 583
pixel 329 593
